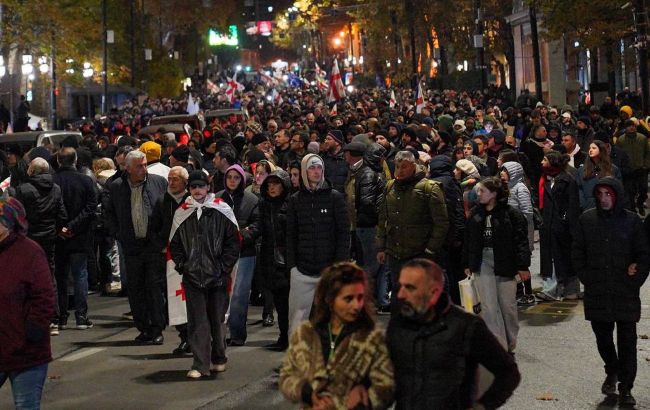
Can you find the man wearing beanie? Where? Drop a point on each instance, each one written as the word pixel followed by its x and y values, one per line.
pixel 152 151
pixel 611 256
pixel 318 234
pixel 585 134
pixel 336 169
pixel 180 157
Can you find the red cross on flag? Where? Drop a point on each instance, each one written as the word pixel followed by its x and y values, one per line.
pixel 419 101
pixel 233 86
pixel 392 100
pixel 336 89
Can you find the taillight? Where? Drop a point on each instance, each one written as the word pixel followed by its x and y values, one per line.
pixel 183 139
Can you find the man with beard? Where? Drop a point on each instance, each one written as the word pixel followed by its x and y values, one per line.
pixel 336 169
pixel 436 347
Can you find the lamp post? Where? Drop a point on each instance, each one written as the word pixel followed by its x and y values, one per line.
pixel 87 74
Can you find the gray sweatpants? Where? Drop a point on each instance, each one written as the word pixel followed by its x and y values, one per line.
pixel 206 330
pixel 301 298
pixel 498 302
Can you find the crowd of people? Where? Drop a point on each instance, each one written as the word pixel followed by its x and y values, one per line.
pixel 328 215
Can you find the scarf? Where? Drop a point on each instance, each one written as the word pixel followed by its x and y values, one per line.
pixel 547 174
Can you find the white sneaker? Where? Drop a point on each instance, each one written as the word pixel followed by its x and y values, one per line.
pixel 194 374
pixel 218 368
pixel 54 331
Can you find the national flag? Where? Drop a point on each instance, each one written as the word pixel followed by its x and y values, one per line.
pixel 270 81
pixel 419 101
pixel 277 97
pixel 334 111
pixel 336 89
pixel 175 291
pixel 212 87
pixel 233 86
pixel 392 101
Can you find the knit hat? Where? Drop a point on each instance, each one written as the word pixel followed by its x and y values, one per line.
pixel 259 138
pixel 151 151
pixel 181 153
pixel 466 166
pixel 12 215
pixel 585 120
pixel 337 136
pixel 40 152
pixel 628 110
pixel 498 135
pixel 254 156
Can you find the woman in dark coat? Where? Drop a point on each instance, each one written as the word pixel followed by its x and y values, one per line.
pixel 273 250
pixel 496 251
pixel 27 300
pixel 560 207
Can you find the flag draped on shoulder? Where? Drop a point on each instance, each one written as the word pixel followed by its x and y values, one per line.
pixel 175 291
pixel 336 89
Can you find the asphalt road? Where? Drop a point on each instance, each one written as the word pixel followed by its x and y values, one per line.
pixel 102 368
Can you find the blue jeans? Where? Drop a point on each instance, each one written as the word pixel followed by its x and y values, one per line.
pixel 76 264
pixel 379 274
pixel 26 386
pixel 240 298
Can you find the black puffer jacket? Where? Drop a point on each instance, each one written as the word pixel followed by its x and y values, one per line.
pixel 205 250
pixel 245 206
pixel 317 229
pixel 606 244
pixel 368 194
pixel 436 361
pixel 336 170
pixel 441 169
pixel 509 236
pixel 80 202
pixel 118 212
pixel 44 207
pixel 273 228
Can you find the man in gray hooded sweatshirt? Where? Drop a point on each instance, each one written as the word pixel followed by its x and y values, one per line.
pixel 317 235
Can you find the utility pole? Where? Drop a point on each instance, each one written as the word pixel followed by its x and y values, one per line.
pixel 536 58
pixel 132 35
pixel 414 58
pixel 54 90
pixel 105 60
pixel 641 24
pixel 478 44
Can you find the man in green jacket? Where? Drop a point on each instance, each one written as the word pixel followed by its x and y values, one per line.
pixel 637 147
pixel 412 218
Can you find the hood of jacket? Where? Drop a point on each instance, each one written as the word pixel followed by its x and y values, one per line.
pixel 617 186
pixel 373 156
pixel 286 184
pixel 515 172
pixel 42 182
pixel 441 166
pixel 303 171
pixel 242 183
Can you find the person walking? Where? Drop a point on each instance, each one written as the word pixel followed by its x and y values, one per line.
pixel 204 246
pixel 338 359
pixel 318 234
pixel 28 305
pixel 612 258
pixel 597 165
pixel 496 250
pixel 423 338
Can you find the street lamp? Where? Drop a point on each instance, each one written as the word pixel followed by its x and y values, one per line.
pixel 43 67
pixel 27 67
pixel 88 70
pixel 3 69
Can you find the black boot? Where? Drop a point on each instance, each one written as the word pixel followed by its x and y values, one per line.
pixel 625 397
pixel 268 320
pixel 182 349
pixel 609 385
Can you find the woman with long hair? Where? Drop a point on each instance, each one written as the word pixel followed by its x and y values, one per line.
pixel 597 165
pixel 496 251
pixel 338 359
pixel 560 208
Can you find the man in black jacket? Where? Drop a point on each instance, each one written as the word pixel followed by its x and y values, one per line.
pixel 130 209
pixel 336 169
pixel 611 255
pixel 164 216
pixel 436 347
pixel 205 248
pixel 318 234
pixel 71 252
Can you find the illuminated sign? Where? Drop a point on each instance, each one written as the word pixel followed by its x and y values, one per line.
pixel 215 38
pixel 264 27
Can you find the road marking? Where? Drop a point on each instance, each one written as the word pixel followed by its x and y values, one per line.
pixel 81 354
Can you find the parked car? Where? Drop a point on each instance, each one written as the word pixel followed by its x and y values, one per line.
pixel 194 121
pixel 30 139
pixel 225 117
